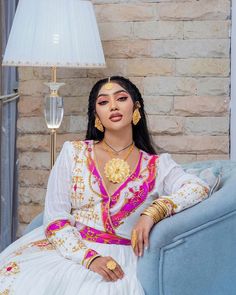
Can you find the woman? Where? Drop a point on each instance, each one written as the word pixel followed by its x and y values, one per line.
pixel 103 197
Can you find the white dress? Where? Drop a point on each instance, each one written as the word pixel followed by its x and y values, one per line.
pixel 81 221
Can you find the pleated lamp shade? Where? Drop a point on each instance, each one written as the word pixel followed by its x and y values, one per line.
pixel 54 33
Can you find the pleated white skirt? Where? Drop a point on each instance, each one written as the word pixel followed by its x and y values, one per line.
pixel 31 266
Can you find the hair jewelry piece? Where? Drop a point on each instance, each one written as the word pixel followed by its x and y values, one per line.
pixel 108 85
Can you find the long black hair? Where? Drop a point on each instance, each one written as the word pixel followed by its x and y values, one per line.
pixel 141 136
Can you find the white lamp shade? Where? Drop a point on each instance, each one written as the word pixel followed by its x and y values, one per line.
pixel 61 33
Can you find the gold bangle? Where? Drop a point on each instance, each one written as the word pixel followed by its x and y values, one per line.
pixel 160 210
pixel 92 259
pixel 154 215
pixel 147 214
pixel 155 212
pixel 151 211
pixel 163 206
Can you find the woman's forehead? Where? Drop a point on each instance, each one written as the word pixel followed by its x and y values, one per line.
pixel 110 88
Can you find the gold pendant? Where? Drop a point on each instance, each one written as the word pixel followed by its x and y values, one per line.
pixel 116 170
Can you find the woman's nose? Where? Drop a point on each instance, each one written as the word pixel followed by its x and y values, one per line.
pixel 113 105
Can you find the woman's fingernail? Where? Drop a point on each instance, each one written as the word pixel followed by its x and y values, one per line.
pixel 140 254
pixel 146 247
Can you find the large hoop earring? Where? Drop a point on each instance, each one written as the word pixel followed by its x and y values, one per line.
pixel 98 124
pixel 136 114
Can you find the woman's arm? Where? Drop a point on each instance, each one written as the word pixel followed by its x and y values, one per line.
pixel 176 190
pixel 58 221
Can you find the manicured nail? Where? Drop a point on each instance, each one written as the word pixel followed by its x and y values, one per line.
pixel 146 247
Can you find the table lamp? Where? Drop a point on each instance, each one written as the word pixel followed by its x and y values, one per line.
pixel 54 33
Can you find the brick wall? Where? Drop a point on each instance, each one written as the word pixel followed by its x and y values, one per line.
pixel 178 54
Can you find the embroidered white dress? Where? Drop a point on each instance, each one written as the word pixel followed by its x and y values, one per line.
pixel 82 221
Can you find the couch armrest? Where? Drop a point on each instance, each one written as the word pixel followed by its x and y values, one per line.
pixel 173 230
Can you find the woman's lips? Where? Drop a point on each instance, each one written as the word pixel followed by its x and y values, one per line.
pixel 116 118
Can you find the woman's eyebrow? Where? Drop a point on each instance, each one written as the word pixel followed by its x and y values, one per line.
pixel 118 91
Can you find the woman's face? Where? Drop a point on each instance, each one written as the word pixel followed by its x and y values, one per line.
pixel 114 107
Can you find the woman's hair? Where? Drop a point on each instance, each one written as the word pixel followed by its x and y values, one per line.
pixel 141 136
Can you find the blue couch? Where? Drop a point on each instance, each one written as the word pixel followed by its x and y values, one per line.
pixel 194 251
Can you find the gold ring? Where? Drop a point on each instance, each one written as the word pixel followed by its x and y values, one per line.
pixel 134 238
pixel 111 264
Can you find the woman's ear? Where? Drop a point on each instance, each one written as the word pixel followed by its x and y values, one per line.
pixel 137 105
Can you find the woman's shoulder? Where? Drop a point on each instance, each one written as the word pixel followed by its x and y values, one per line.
pixel 163 160
pixel 149 155
pixel 79 147
pixel 80 144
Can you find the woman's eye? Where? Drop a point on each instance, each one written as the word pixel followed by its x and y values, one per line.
pixel 102 102
pixel 123 98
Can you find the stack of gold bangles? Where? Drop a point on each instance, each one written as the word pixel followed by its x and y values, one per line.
pixel 157 211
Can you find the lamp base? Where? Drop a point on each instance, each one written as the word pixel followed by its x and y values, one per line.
pixel 54 87
pixel 53 146
pixel 53 113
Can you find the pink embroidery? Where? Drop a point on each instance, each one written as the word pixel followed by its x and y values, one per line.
pixel 152 173
pixel 105 203
pixel 88 257
pixel 130 204
pixel 55 226
pixel 139 196
pixel 109 202
pixel 11 268
pixel 94 235
pixel 90 253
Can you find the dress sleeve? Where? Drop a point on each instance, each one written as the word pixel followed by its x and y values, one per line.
pixel 59 224
pixel 177 189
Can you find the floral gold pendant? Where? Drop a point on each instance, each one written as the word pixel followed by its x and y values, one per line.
pixel 116 170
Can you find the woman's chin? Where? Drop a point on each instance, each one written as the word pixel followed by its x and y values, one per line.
pixel 119 126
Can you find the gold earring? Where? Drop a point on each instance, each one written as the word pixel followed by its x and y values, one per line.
pixel 98 124
pixel 136 114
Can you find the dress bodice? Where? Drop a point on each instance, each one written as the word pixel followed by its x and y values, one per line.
pixel 91 203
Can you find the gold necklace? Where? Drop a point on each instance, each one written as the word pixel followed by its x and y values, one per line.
pixel 115 152
pixel 116 169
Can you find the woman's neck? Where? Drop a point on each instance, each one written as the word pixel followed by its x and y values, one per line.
pixel 118 139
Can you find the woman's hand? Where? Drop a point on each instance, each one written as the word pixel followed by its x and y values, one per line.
pixel 142 228
pixel 99 266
